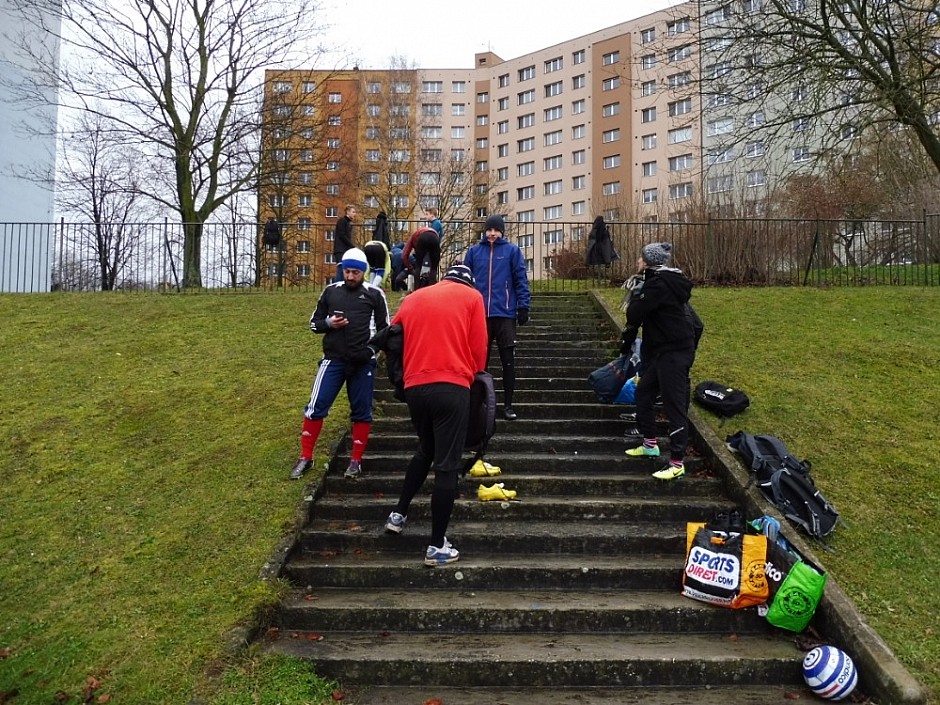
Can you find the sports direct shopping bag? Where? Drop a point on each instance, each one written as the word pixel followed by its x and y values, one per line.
pixel 796 586
pixel 725 569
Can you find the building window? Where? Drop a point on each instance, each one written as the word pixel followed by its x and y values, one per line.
pixel 647 35
pixel 310 87
pixel 610 84
pixel 458 132
pixel 556 64
pixel 611 188
pixel 611 109
pixel 554 113
pixel 610 58
pixel 800 124
pixel 401 87
pixel 305 178
pixel 648 61
pixel 502 104
pixel 527 74
pixel 801 154
pixel 648 115
pixel 373 133
pixel 649 168
pixel 755 178
pixel 577 183
pixel 502 150
pixel 717 16
pixel 335 120
pixel 553 138
pixel 483 97
pixel 754 149
pixel 578 157
pixel 553 89
pixel 429 155
pixel 525 169
pixel 432 109
pixel 525 145
pixel 683 190
pixel 281 155
pixel 503 80
pixel 432 132
pixel 848 131
pixel 718 100
pixel 678 26
pixel 578 81
pixel 720 184
pixel 679 53
pixel 502 197
pixel 722 126
pixel 371 202
pixel 306 155
pixel 373 110
pixel 524 121
pixel 277 200
pixel 718 70
pixel 282 87
pixel 611 135
pixel 482 143
pixel 552 188
pixel 578 208
pixel 577 107
pixel 720 156
pixel 552 163
pixel 502 174
pixel 458 109
pixel 335 98
pixel 577 132
pixel 332 212
pixel 649 195
pixel 373 155
pixel 679 80
pixel 305 200
pixel 648 142
pixel 648 88
pixel 525 193
pixel 756 119
pixel 526 97
pixel 432 86
pixel 680 107
pixel 612 162
pixel 577 57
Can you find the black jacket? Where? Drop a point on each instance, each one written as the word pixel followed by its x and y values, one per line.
pixel 342 237
pixel 364 306
pixel 660 307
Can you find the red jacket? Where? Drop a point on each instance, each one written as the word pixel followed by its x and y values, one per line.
pixel 445 334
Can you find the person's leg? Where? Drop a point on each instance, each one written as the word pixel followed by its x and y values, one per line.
pixel 451 405
pixel 420 465
pixel 360 385
pixel 646 392
pixel 504 332
pixel 323 392
pixel 674 389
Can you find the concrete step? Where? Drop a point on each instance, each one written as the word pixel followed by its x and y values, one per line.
pixel 531 507
pixel 461 609
pixel 505 571
pixel 579 695
pixel 547 660
pixel 527 396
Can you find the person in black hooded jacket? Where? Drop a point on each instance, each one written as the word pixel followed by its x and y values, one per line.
pixel 659 304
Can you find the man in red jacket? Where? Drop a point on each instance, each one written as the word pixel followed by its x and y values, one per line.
pixel 445 346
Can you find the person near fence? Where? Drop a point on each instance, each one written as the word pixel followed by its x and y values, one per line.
pixel 380 231
pixel 499 272
pixel 343 239
pixel 444 330
pixel 600 249
pixel 425 243
pixel 347 314
pixel 432 216
pixel 658 305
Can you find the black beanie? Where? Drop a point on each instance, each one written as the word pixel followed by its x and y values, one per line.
pixel 495 222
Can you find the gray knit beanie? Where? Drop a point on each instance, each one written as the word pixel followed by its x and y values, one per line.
pixel 657 253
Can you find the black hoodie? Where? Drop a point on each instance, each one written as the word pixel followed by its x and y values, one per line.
pixel 659 306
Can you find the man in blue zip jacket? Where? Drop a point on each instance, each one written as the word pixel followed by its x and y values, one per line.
pixel 499 273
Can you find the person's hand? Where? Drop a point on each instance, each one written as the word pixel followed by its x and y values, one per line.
pixel 361 357
pixel 522 316
pixel 334 321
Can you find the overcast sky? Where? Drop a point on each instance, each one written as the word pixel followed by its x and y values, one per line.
pixel 437 34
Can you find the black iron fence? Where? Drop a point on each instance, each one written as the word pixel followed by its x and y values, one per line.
pixel 40 257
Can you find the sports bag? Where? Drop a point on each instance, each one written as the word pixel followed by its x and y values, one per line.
pixel 607 381
pixel 720 398
pixel 482 420
pixel 796 586
pixel 724 568
pixel 786 482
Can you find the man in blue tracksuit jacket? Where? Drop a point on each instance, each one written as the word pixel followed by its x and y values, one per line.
pixel 499 273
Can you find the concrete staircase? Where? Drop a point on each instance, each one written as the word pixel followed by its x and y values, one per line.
pixel 570 595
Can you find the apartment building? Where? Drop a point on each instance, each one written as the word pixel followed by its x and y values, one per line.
pixel 633 122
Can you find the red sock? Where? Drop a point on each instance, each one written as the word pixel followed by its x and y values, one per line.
pixel 309 436
pixel 360 437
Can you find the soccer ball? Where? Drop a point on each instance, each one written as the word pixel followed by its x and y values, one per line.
pixel 829 672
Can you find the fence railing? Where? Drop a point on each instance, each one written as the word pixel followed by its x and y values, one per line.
pixel 42 257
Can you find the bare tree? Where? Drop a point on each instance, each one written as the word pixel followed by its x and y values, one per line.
pixel 832 68
pixel 175 77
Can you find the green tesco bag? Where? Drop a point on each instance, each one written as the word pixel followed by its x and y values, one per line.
pixel 796 587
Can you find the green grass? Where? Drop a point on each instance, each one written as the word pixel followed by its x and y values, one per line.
pixel 849 379
pixel 147 440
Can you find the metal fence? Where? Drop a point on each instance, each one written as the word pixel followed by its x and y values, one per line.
pixel 42 257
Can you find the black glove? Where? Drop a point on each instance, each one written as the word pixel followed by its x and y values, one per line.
pixel 626 342
pixel 522 316
pixel 361 357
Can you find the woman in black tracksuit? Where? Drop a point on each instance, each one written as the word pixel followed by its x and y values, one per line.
pixel 660 305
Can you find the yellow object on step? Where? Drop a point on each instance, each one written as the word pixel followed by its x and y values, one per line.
pixel 481 468
pixel 496 492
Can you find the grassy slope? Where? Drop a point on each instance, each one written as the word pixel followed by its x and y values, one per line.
pixel 147 440
pixel 849 379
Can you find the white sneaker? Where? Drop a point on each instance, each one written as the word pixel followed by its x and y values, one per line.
pixel 441 556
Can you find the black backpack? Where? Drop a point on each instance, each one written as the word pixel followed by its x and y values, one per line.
pixel 786 482
pixel 720 398
pixel 481 424
pixel 272 233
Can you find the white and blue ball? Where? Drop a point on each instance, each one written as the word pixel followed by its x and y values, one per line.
pixel 829 672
